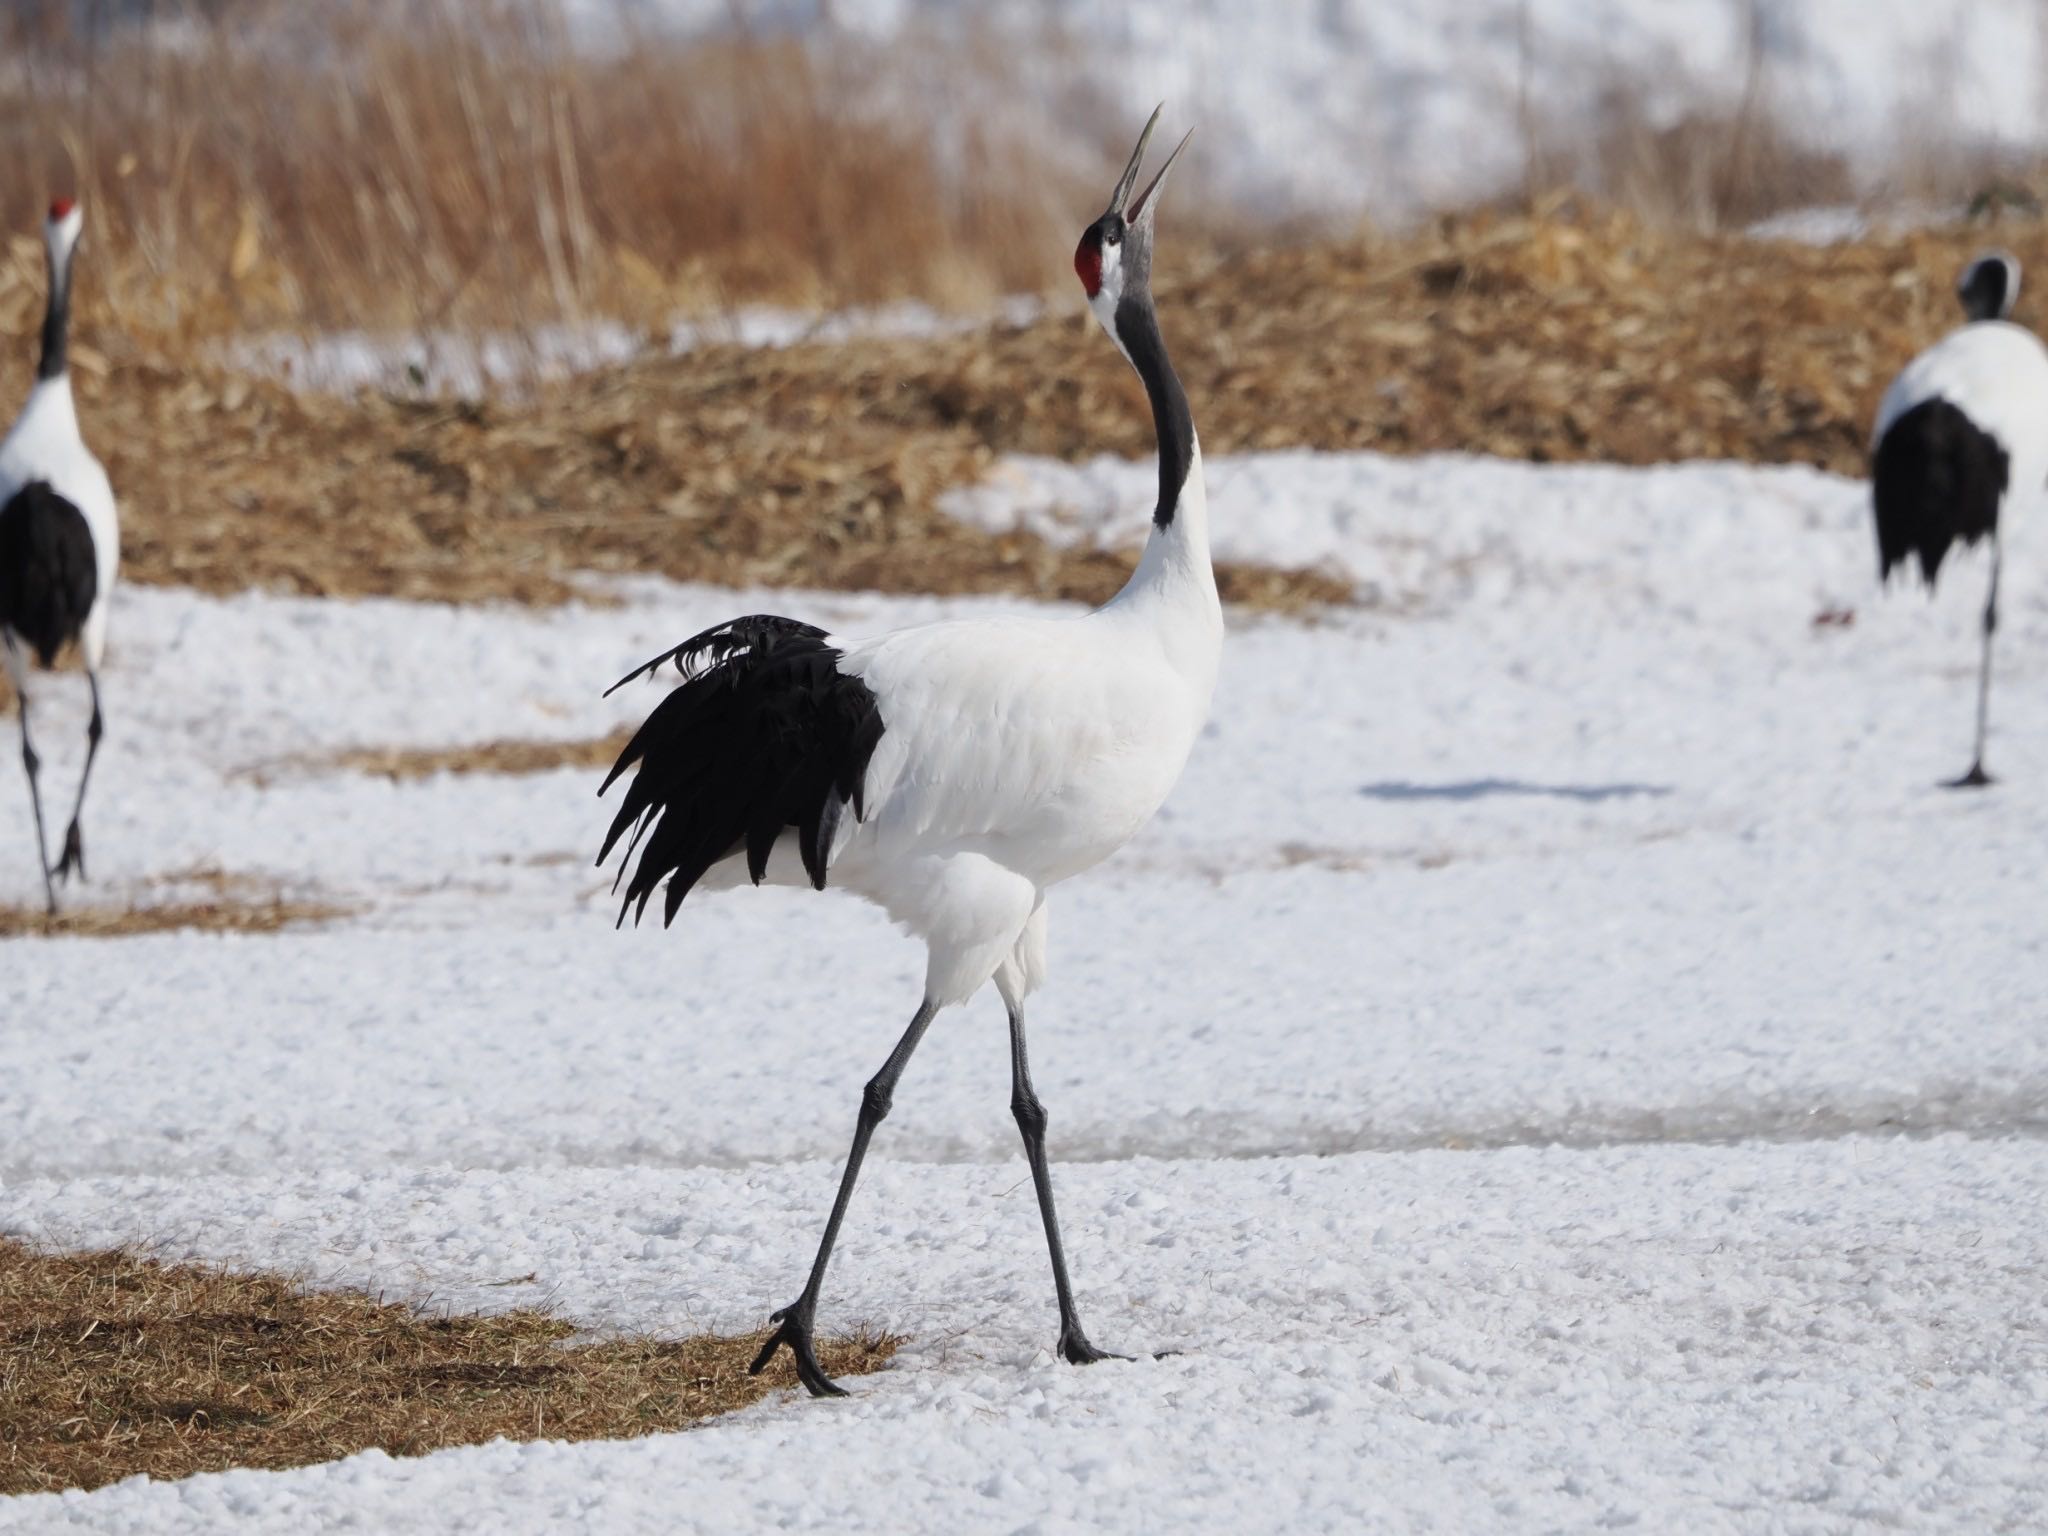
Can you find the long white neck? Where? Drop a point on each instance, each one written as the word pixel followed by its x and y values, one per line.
pixel 1171 596
pixel 49 417
pixel 1176 559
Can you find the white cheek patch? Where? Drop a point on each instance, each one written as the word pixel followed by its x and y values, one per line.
pixel 1110 288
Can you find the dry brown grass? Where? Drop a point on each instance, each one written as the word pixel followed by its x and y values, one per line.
pixel 395 163
pixel 1568 335
pixel 1573 334
pixel 262 915
pixel 405 163
pixel 400 764
pixel 203 898
pixel 809 466
pixel 112 1365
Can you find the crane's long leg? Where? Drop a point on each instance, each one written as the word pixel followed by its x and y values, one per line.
pixel 1031 1121
pixel 796 1318
pixel 1977 778
pixel 73 860
pixel 33 764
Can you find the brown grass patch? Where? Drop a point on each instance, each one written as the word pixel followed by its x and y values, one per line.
pixel 204 898
pixel 810 466
pixel 400 764
pixel 245 916
pixel 112 1365
pixel 1570 334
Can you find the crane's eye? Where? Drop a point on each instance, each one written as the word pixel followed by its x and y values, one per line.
pixel 1114 235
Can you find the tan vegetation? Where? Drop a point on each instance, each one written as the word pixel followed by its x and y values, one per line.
pixel 400 764
pixel 402 163
pixel 380 163
pixel 811 466
pixel 266 915
pixel 204 898
pixel 1566 335
pixel 113 1365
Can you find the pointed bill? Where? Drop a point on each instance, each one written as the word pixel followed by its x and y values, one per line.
pixel 1129 179
pixel 1143 205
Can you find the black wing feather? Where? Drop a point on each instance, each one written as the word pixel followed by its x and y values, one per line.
pixel 48 573
pixel 763 734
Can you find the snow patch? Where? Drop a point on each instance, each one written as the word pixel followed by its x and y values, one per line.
pixel 470 365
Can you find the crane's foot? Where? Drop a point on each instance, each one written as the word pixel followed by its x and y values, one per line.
pixel 1976 778
pixel 796 1333
pixel 73 861
pixel 1075 1349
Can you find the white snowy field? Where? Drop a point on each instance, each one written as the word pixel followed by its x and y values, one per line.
pixel 1558 1062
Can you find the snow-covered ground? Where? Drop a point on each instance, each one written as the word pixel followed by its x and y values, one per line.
pixel 1558 1062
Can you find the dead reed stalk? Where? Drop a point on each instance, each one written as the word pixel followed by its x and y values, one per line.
pixel 403 163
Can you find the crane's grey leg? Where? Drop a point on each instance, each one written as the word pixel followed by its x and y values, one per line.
pixel 1031 1122
pixel 33 764
pixel 1977 778
pixel 73 860
pixel 797 1317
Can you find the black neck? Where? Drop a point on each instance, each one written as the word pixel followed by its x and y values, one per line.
pixel 1138 328
pixel 56 319
pixel 1984 294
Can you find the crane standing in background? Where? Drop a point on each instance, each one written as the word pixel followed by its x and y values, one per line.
pixel 59 541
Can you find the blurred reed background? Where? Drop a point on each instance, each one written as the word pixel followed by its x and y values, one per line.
pixel 398 163
pixel 397 166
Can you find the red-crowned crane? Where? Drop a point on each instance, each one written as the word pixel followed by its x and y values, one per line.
pixel 1962 434
pixel 951 773
pixel 59 541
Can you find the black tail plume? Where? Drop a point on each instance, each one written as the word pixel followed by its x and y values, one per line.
pixel 48 573
pixel 1937 479
pixel 764 734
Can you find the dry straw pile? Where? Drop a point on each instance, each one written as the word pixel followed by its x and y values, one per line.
pixel 1561 336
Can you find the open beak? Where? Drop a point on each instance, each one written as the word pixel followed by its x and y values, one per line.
pixel 1120 201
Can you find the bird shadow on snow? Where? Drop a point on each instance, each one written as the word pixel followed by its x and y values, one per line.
pixel 1486 789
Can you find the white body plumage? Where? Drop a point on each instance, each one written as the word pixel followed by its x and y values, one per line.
pixel 1019 753
pixel 45 444
pixel 1996 374
pixel 1961 441
pixel 60 543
